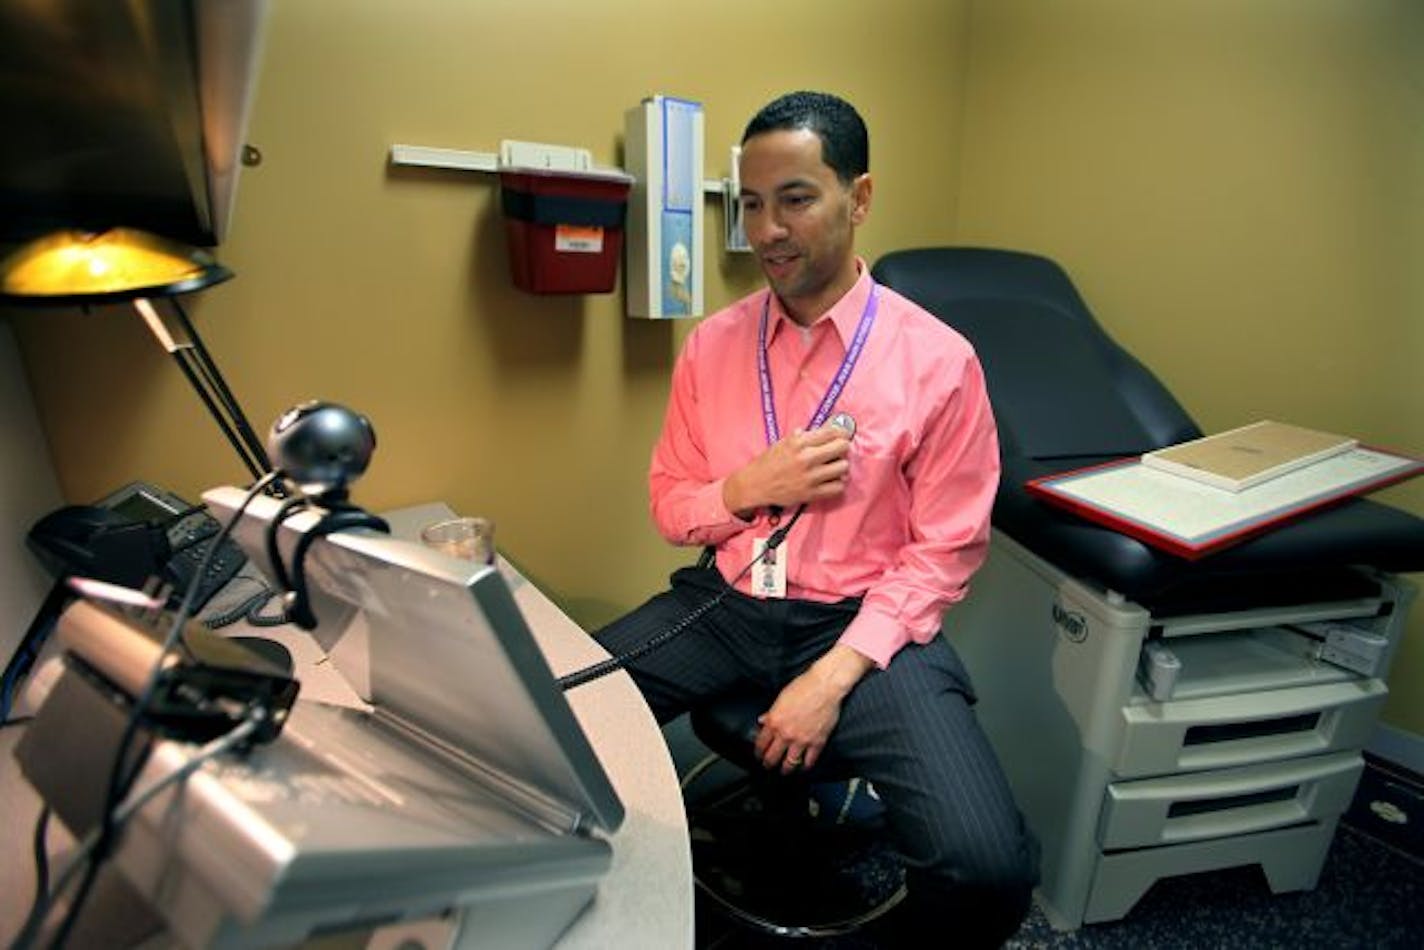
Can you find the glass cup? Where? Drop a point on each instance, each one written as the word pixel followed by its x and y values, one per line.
pixel 469 538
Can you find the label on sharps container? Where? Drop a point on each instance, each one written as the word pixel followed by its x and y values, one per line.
pixel 578 239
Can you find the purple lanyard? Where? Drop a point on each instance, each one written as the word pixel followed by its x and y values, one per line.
pixel 838 382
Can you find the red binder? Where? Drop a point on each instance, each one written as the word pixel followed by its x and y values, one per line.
pixel 1191 519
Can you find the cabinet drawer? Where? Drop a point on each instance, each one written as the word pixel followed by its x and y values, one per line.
pixel 1201 805
pixel 1224 731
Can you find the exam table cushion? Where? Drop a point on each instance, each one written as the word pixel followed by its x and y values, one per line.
pixel 1067 396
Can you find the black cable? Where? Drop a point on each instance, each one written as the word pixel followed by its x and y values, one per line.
pixel 274 553
pixel 598 670
pixel 30 646
pixel 91 873
pixel 243 608
pixel 336 519
pixel 131 805
pixel 612 664
pixel 41 852
pixel 178 516
pixel 340 516
pixel 258 619
pixel 120 778
pixel 40 903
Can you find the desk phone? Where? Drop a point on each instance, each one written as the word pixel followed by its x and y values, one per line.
pixel 134 533
pixel 188 537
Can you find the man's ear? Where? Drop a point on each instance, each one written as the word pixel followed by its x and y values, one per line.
pixel 860 193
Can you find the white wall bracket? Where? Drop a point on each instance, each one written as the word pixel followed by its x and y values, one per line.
pixel 557 156
pixel 422 156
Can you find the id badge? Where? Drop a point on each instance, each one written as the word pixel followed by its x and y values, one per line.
pixel 769 575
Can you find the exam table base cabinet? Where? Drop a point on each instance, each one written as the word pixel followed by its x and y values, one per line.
pixel 1251 759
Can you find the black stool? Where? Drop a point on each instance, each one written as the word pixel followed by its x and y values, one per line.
pixel 799 856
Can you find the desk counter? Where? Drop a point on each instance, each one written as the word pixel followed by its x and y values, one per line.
pixel 645 900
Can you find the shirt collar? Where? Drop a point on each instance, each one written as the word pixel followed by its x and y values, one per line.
pixel 844 314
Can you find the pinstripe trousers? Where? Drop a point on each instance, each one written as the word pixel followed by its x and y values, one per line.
pixel 971 862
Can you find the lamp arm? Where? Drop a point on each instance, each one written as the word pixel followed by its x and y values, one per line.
pixel 186 347
pixel 254 466
pixel 234 409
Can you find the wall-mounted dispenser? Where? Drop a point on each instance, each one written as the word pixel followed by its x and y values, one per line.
pixel 663 144
pixel 563 218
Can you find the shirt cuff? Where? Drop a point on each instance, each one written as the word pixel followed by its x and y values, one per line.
pixel 876 636
pixel 709 511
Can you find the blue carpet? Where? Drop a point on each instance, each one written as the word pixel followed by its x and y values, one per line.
pixel 1369 896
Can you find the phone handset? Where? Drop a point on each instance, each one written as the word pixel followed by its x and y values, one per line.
pixel 132 534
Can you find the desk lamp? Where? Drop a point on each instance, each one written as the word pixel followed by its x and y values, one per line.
pixel 80 268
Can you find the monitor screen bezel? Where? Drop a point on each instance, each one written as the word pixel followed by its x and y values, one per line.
pixel 357 581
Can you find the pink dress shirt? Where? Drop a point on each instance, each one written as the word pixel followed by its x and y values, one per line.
pixel 913 523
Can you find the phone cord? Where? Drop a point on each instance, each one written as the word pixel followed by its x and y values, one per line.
pixel 601 669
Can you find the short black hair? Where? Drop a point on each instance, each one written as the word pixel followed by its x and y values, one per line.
pixel 845 143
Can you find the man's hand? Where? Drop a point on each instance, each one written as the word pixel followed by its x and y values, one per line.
pixel 799 723
pixel 802 467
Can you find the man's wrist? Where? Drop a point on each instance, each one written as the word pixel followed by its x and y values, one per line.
pixel 841 667
pixel 732 499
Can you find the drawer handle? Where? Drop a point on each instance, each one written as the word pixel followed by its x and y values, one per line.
pixel 1202 806
pixel 1255 729
pixel 1181 808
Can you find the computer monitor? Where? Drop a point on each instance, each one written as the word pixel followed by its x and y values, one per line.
pixel 466 784
pixel 440 644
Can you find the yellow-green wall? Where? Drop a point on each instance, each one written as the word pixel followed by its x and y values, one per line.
pixel 1237 186
pixel 389 289
pixel 1234 184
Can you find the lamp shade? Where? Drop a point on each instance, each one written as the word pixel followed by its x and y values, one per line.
pixel 124 264
pixel 74 267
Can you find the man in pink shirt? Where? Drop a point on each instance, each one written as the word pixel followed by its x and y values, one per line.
pixel 838 406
